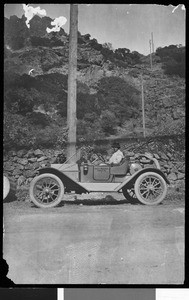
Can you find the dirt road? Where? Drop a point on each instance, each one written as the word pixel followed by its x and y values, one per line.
pixel 108 244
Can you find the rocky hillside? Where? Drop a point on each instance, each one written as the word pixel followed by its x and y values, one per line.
pixel 43 56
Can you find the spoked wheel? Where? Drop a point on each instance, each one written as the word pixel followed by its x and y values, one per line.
pixel 129 193
pixel 150 188
pixel 46 190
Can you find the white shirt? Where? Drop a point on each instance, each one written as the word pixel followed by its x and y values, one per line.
pixel 116 157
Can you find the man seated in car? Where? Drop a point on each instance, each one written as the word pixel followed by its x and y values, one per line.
pixel 117 156
pixel 95 159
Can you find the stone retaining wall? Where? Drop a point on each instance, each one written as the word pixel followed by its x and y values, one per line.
pixel 22 166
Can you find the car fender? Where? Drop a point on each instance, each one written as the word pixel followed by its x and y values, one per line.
pixel 70 184
pixel 134 177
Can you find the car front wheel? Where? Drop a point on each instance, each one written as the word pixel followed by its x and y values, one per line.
pixel 150 188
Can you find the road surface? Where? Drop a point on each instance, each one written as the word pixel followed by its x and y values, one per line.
pixel 95 244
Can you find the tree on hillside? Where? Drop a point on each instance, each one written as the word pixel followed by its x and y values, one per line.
pixel 173 59
pixel 173 67
pixel 15 32
pixel 136 56
pixel 94 44
pixel 87 36
pixel 121 53
pixel 107 53
pixel 108 46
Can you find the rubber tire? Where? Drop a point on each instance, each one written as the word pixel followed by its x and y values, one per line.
pixel 137 188
pixel 57 201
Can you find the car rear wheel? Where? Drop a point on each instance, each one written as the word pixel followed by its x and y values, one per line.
pixel 150 188
pixel 46 190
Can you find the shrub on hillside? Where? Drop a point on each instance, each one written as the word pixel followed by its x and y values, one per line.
pixel 124 55
pixel 120 63
pixel 39 41
pixel 136 57
pixel 170 51
pixel 173 58
pixel 119 97
pixel 82 88
pixel 94 44
pixel 172 67
pixel 51 136
pixel 87 131
pixel 39 119
pixel 9 79
pixel 19 101
pixel 15 81
pixel 86 103
pixel 20 132
pixel 82 126
pixel 47 64
pixel 23 101
pixel 90 117
pixel 107 53
pixel 108 122
pixel 56 42
pixel 52 83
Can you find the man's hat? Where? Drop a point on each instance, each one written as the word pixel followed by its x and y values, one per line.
pixel 116 145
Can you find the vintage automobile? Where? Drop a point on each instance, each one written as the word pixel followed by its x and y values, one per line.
pixel 146 185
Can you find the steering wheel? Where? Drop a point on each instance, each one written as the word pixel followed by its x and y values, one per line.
pixel 100 157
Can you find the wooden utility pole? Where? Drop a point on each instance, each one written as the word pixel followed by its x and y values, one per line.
pixel 150 54
pixel 152 42
pixel 72 88
pixel 143 113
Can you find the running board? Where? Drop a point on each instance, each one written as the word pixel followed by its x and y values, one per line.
pixel 100 187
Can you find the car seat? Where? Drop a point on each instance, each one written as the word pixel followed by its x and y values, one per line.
pixel 121 168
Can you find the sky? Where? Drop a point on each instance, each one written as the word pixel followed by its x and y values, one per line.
pixel 122 25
